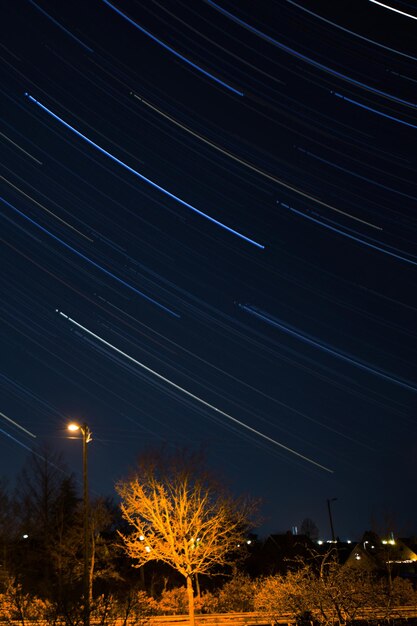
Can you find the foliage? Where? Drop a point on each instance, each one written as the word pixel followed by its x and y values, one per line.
pixel 208 602
pixel 236 595
pixel 396 592
pixel 403 593
pixel 173 601
pixel 279 594
pixel 17 606
pixel 333 593
pixel 191 527
pixel 134 609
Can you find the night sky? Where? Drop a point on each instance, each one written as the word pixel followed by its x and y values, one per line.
pixel 209 228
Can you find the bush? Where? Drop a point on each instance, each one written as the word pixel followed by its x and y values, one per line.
pixel 237 595
pixel 20 607
pixel 133 609
pixel 173 602
pixel 278 594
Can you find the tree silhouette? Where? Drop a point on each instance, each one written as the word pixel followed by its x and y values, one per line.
pixel 309 529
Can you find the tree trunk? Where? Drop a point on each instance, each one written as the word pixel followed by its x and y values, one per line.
pixel 142 576
pixel 190 594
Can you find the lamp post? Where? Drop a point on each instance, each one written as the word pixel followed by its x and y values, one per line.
pixel 329 501
pixel 86 433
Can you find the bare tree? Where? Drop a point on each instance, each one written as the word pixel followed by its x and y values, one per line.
pixel 38 493
pixel 181 518
pixel 7 531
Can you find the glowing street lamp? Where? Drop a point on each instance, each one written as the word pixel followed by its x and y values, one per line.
pixel 86 433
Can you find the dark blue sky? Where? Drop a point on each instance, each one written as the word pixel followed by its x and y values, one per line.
pixel 209 239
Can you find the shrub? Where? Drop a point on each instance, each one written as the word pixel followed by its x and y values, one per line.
pixel 237 595
pixel 173 602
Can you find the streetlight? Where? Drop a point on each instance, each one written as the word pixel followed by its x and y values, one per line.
pixel 329 501
pixel 86 433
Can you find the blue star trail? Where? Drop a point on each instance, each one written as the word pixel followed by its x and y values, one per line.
pixel 209 232
pixel 326 348
pixel 171 50
pixel 141 176
pixel 85 258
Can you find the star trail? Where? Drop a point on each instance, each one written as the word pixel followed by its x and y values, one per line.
pixel 209 235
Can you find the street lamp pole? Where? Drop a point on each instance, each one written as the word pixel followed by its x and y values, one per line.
pixel 87 591
pixel 329 501
pixel 86 433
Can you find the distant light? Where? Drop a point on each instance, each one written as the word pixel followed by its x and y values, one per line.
pixel 320 542
pixel 249 541
pixel 349 541
pixel 73 427
pixel 238 545
pixel 25 536
pixel 357 557
pixel 141 538
pixel 147 548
